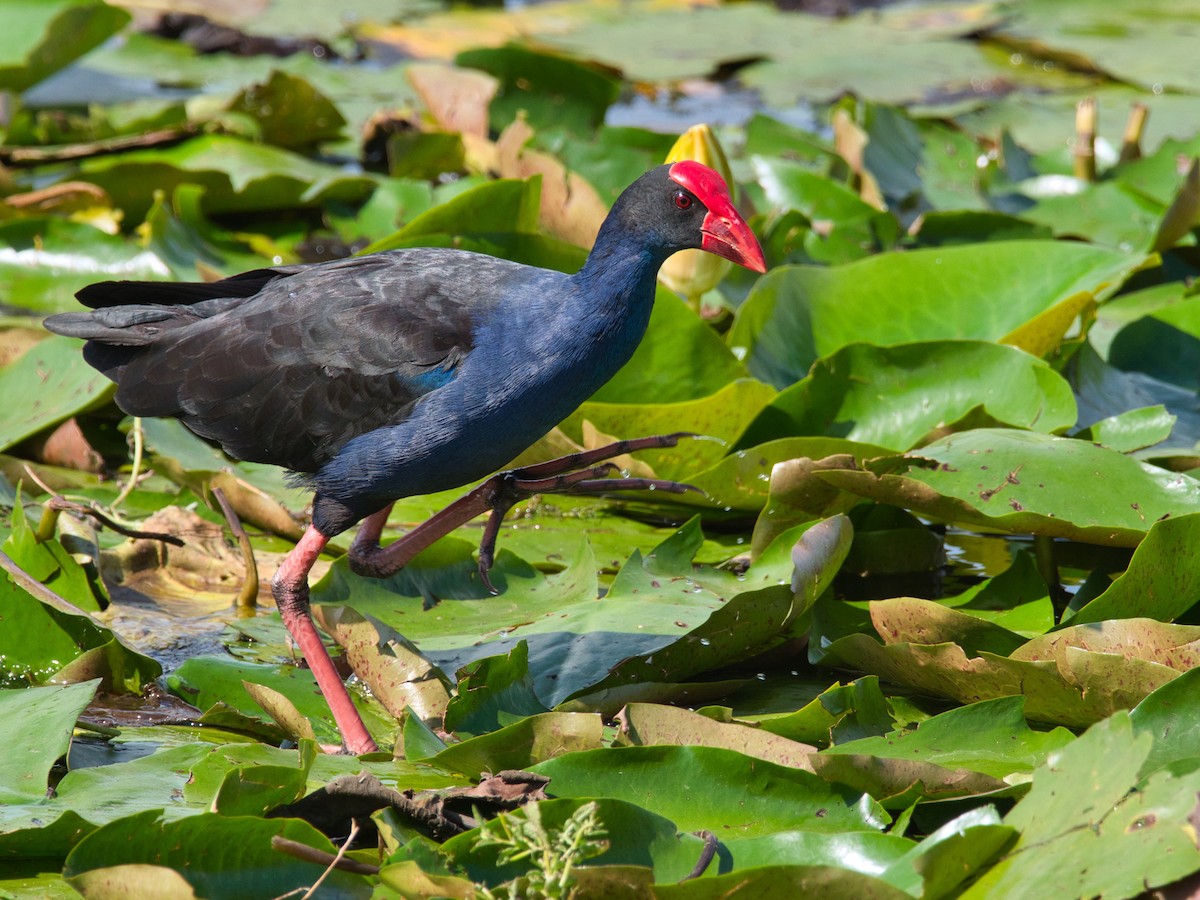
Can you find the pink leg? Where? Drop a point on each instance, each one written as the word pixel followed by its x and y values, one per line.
pixel 290 588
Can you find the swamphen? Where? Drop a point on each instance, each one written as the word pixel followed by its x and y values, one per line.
pixel 401 373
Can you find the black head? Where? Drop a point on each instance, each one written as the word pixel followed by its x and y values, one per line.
pixel 686 205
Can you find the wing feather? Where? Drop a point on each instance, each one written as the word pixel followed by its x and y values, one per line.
pixel 313 357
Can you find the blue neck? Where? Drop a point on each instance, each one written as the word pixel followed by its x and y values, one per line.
pixel 619 275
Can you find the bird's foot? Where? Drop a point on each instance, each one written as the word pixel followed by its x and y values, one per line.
pixel 578 473
pixel 586 472
pixel 290 589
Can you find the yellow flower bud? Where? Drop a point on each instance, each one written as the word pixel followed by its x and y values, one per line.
pixel 693 273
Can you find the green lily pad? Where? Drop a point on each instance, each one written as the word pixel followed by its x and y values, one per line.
pixel 1102 391
pixel 42 37
pixel 1141 43
pixel 288 111
pixel 797 314
pixel 990 737
pixel 1132 430
pixel 206 680
pixel 1108 213
pixel 237 176
pixel 525 743
pixel 842 712
pixel 493 692
pixel 552 90
pixel 783 881
pixel 1083 806
pixel 44 261
pixel 57 381
pixel 1018 599
pixel 1161 582
pixel 1026 482
pixel 952 854
pixel 44 717
pixel 706 617
pixel 213 853
pixel 896 396
pixel 1171 717
pixel 648 724
pixel 845 227
pixel 713 788
pixel 86 798
pixel 722 418
pixel 1072 677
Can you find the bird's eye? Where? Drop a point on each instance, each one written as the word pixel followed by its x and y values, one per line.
pixel 682 200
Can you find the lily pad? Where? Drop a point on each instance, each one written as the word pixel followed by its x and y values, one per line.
pixel 661 608
pixel 237 176
pixel 1083 806
pixel 896 396
pixel 43 262
pixel 1027 482
pixel 684 784
pixel 57 381
pixel 797 314
pixel 44 716
pixel 42 37
pixel 213 853
pixel 1161 582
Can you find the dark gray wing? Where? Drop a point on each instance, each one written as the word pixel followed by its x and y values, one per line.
pixel 315 356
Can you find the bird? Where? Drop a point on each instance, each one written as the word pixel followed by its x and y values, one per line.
pixel 403 372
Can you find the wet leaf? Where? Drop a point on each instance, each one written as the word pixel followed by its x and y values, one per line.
pixel 898 396
pixel 45 718
pixel 1133 430
pixel 1161 582
pixel 237 176
pixel 203 681
pixel 706 617
pixel 797 314
pixel 399 676
pixel 1082 806
pixel 523 744
pixel 1029 482
pixel 213 853
pixel 289 111
pixel 493 692
pixel 45 36
pixel 712 788
pixel 43 262
pixel 1127 41
pixel 646 724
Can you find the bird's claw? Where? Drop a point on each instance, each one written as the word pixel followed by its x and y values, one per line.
pixel 578 473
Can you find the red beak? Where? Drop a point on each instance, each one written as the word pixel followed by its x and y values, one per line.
pixel 731 237
pixel 724 231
